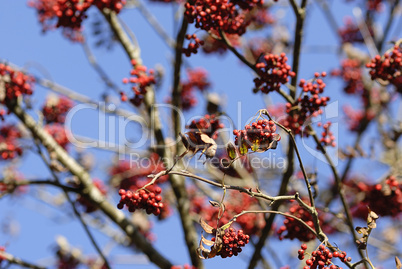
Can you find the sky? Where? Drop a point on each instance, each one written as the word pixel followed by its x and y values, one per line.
pixel 55 58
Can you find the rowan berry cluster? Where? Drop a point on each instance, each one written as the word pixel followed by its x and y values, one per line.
pixel 384 198
pixel 10 178
pixel 142 199
pixel 293 228
pixel 133 175
pixel 55 109
pixel 232 243
pixel 251 224
pixel 58 132
pixel 9 146
pixel 141 80
pixel 306 106
pixel 260 135
pixel 229 16
pixel 351 73
pixel 208 125
pixel 350 33
pixel 354 117
pixel 16 83
pixel 87 204
pixel 69 14
pixel 259 46
pixel 327 137
pixel 322 258
pixel 197 79
pixel 115 5
pixel 260 17
pixel 375 5
pixel 213 45
pixel 273 71
pixel 192 47
pixel 388 67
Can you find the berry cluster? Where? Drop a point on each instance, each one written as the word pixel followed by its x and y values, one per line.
pixel 55 109
pixel 58 132
pixel 260 17
pixel 132 176
pixel 229 16
pixel 16 83
pixel 140 80
pixel 293 228
pixel 232 243
pixel 69 14
pixel 306 106
pixel 197 80
pixel 208 125
pixel 272 71
pixel 350 33
pixel 260 135
pixel 251 224
pixel 10 176
pixel 213 45
pixel 87 204
pixel 9 148
pixel 142 199
pixel 387 68
pixel 192 46
pixel 327 137
pixel 322 258
pixel 354 117
pixel 385 198
pixel 375 5
pixel 351 73
pixel 115 5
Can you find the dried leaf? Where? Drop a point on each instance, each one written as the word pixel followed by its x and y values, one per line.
pixel 398 263
pixel 206 241
pixel 362 230
pixel 203 253
pixel 371 219
pixel 206 227
pixel 211 150
pixel 214 203
pixel 231 150
pixel 185 141
pixel 206 139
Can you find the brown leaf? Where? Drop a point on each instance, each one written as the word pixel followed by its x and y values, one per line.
pixel 206 241
pixel 371 219
pixel 398 263
pixel 206 227
pixel 211 150
pixel 362 230
pixel 185 141
pixel 206 139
